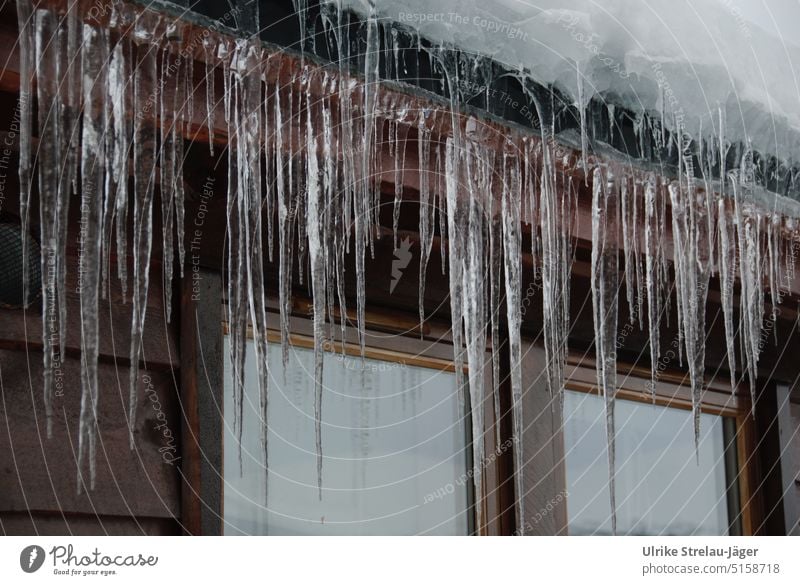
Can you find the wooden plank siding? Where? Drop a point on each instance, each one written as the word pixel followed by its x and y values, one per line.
pixel 136 492
pixel 38 475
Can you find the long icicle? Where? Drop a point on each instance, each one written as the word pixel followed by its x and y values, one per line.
pixel 604 283
pixel 512 253
pixel 317 257
pixel 47 163
pixel 27 64
pixel 144 145
pixel 95 63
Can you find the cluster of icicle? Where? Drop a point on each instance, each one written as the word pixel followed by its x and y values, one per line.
pixel 291 162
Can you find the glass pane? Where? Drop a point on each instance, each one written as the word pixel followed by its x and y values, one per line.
pixel 394 450
pixel 660 485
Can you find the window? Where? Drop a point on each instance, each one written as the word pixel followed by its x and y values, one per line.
pixel 662 486
pixel 395 449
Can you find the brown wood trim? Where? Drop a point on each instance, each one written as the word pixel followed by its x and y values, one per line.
pixel 750 507
pixel 202 386
pixel 385 320
pixel 671 389
pixel 354 350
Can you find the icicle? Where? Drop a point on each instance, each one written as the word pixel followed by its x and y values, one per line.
pixel 48 163
pixel 652 278
pixel 211 105
pixel 455 256
pixel 727 276
pixel 239 224
pixel 582 111
pixel 495 300
pixel 441 198
pixel 637 253
pixel 119 78
pixel 604 284
pixel 512 252
pixel 94 51
pixel 116 180
pixel 144 139
pixel 426 216
pixel 691 282
pixel 628 231
pixel 363 231
pixel 168 115
pixel 301 10
pixel 611 121
pixel 69 136
pixel 28 32
pixel 750 284
pixel 183 113
pixel 473 263
pixel 773 266
pixel 399 169
pixel 317 255
pixel 249 240
pixel 268 144
pixel 284 238
pixel 555 265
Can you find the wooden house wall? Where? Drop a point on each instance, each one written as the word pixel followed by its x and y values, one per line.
pixel 138 492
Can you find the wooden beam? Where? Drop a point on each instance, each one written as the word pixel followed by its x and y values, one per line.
pixel 202 387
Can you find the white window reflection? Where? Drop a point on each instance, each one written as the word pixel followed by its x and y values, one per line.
pixel 395 459
pixel 660 486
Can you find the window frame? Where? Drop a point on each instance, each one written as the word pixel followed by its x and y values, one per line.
pixel 201 394
pixel 672 390
pixel 429 347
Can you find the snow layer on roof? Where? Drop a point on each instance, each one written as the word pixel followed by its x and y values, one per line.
pixel 692 56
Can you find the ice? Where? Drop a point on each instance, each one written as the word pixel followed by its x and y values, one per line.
pixel 455 252
pixel 474 310
pixel 209 50
pixel 750 306
pixel 250 196
pixel 652 276
pixel 691 283
pixel 93 159
pixel 288 135
pixel 116 211
pixel 69 70
pixel 399 168
pixel 284 227
pixel 317 255
pixel 426 209
pixel 168 166
pixel 48 163
pixel 581 105
pixel 604 283
pixel 144 164
pixel 495 301
pixel 554 226
pixel 628 235
pixel 727 277
pixel 512 250
pixel 28 33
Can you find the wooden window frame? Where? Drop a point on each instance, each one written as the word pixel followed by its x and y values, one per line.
pixel 672 390
pixel 203 384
